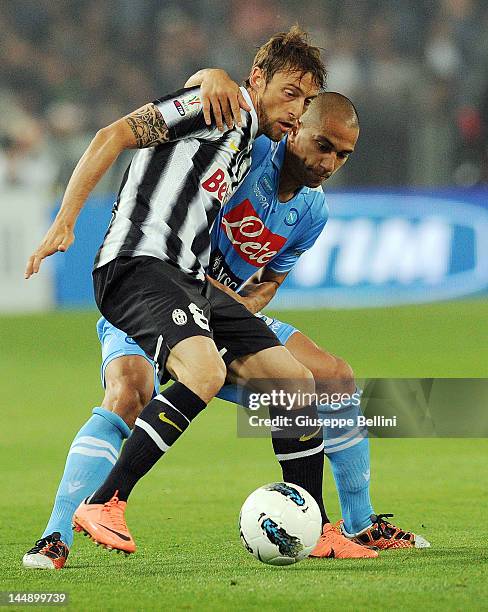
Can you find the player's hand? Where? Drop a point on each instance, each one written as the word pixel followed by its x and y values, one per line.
pixel 238 298
pixel 223 97
pixel 246 301
pixel 58 238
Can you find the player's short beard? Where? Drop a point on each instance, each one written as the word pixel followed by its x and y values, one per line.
pixel 266 125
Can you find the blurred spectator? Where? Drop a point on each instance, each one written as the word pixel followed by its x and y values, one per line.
pixel 416 70
pixel 25 163
pixel 25 160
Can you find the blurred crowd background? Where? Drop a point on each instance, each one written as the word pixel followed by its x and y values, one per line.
pixel 416 69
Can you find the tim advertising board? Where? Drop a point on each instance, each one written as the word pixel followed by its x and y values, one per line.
pixel 387 248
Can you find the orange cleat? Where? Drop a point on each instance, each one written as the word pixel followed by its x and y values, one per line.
pixel 383 535
pixel 105 524
pixel 333 545
pixel 48 553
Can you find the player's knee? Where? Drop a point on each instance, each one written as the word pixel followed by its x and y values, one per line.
pixel 307 382
pixel 288 367
pixel 302 379
pixel 344 376
pixel 274 369
pixel 127 394
pixel 345 373
pixel 333 374
pixel 304 373
pixel 205 378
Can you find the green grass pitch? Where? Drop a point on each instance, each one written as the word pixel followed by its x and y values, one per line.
pixel 184 513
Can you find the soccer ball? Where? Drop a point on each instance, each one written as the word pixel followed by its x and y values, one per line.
pixel 280 523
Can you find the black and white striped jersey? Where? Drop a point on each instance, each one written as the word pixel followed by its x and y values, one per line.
pixel 171 194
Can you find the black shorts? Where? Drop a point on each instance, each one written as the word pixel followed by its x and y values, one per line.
pixel 158 306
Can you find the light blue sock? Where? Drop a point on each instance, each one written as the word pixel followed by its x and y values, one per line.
pixel 347 449
pixel 351 469
pixel 91 456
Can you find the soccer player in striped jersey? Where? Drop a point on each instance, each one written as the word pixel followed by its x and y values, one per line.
pixel 149 274
pixel 128 377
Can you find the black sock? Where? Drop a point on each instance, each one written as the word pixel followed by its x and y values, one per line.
pixel 159 425
pixel 302 460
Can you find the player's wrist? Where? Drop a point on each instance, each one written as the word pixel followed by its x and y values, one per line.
pixel 204 75
pixel 217 76
pixel 251 304
pixel 67 219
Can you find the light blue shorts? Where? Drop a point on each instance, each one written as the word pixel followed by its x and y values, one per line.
pixel 283 331
pixel 116 343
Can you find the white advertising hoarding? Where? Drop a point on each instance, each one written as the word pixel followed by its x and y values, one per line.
pixel 24 219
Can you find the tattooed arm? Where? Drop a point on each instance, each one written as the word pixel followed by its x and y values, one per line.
pixel 145 127
pixel 148 126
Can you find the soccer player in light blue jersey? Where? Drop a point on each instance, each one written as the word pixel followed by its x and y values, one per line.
pixel 275 216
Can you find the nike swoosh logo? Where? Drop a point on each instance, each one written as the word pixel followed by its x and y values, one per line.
pixel 72 488
pixel 164 418
pixel 121 535
pixel 304 438
pixel 233 146
pixel 366 475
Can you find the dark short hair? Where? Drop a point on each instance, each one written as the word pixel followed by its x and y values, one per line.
pixel 291 51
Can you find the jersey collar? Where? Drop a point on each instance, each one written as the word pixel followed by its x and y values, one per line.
pixel 279 153
pixel 254 116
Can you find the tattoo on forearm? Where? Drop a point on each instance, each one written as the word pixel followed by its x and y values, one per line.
pixel 148 126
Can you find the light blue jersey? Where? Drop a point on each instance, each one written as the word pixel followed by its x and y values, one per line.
pixel 254 229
